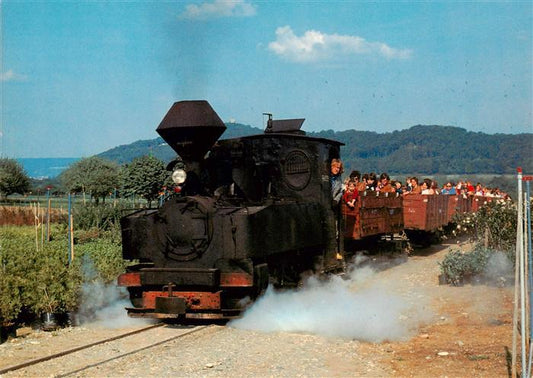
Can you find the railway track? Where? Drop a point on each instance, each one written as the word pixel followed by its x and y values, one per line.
pixel 76 360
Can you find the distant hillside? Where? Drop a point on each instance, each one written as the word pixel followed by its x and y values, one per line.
pixel 419 149
pixel 158 148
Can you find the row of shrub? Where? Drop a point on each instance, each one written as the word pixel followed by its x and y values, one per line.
pixel 37 276
pixel 493 229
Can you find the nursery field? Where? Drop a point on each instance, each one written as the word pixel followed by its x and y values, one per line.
pixel 39 276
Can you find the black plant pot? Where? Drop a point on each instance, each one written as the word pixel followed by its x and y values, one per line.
pixel 6 331
pixel 72 319
pixel 49 321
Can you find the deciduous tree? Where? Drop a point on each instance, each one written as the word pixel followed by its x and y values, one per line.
pixel 145 177
pixel 13 178
pixel 95 175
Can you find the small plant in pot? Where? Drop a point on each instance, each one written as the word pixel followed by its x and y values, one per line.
pixel 52 294
pixel 49 309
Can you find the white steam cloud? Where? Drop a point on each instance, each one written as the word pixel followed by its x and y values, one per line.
pixel 315 46
pixel 358 308
pixel 103 305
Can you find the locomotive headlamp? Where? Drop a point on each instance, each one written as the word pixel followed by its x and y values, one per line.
pixel 179 176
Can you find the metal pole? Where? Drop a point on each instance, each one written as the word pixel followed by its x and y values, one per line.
pixel 69 229
pixel 518 270
pixel 48 216
pixel 520 240
pixel 527 179
pixel 524 291
pixel 529 253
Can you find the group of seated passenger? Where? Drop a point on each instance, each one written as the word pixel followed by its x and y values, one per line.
pixel 355 183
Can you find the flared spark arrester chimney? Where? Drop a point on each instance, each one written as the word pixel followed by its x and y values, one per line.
pixel 191 128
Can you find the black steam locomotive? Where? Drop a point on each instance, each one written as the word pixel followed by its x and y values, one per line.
pixel 251 211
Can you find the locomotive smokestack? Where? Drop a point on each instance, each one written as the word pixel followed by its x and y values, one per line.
pixel 191 128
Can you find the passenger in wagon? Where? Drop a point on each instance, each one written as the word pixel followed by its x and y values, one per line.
pixel 448 189
pixel 361 187
pixel 427 187
pixel 470 188
pixel 408 186
pixel 351 195
pixel 384 185
pixel 415 188
pixel 336 180
pixel 355 176
pixel 435 187
pixel 480 191
pixel 397 185
pixel 371 182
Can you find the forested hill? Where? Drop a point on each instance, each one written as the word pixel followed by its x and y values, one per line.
pixel 158 147
pixel 419 149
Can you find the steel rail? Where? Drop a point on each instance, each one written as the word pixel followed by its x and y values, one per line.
pixel 73 350
pixel 132 352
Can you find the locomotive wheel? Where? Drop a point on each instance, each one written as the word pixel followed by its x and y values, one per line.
pixel 136 296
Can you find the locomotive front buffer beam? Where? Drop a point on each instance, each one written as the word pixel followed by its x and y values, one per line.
pixel 178 293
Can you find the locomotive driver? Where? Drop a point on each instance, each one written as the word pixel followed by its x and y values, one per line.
pixel 336 194
pixel 336 181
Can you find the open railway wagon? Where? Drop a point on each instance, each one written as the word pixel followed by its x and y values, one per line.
pixel 422 217
pixel 425 216
pixel 374 215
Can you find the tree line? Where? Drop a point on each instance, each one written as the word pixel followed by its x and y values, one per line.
pixel 144 177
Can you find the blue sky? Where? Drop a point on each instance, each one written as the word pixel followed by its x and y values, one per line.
pixel 78 78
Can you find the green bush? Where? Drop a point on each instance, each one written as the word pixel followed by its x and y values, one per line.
pixel 493 228
pixel 458 267
pixel 494 224
pixel 37 276
pixel 102 217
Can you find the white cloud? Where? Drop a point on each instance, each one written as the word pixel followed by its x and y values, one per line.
pixel 316 46
pixel 218 9
pixel 12 76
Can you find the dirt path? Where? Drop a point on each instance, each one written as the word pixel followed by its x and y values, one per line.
pixel 469 334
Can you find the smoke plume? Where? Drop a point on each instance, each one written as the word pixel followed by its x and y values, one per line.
pixel 101 304
pixel 358 306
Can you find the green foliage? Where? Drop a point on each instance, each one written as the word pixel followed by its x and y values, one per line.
pixel 101 217
pixel 434 149
pixel 36 276
pixel 458 266
pixel 106 260
pixel 145 176
pixel 13 178
pixel 493 227
pixel 94 175
pixel 494 224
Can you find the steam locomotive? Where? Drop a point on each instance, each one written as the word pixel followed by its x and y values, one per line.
pixel 251 211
